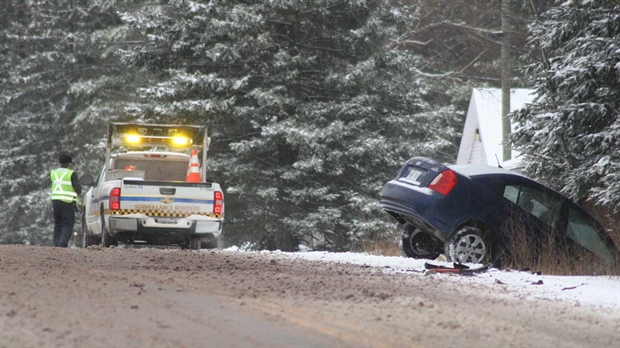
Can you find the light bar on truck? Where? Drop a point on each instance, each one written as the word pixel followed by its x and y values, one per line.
pixel 141 140
pixel 132 139
pixel 158 136
pixel 181 141
pixel 149 135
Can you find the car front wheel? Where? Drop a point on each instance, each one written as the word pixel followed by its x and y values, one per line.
pixel 417 244
pixel 468 245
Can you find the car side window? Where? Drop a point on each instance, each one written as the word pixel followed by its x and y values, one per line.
pixel 511 193
pixel 580 230
pixel 536 202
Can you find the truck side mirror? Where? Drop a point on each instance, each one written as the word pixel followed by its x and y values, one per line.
pixel 86 180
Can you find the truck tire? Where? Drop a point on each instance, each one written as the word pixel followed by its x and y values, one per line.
pixel 211 242
pixel 194 244
pixel 87 238
pixel 106 239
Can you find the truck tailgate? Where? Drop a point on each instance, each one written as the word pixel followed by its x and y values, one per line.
pixel 167 199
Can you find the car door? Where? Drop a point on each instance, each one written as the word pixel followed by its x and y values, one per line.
pixel 92 218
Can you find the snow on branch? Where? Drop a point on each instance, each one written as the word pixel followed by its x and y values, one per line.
pixel 458 25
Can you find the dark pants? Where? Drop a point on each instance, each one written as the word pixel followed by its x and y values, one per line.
pixel 64 218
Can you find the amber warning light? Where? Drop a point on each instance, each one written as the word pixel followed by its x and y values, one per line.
pixel 177 141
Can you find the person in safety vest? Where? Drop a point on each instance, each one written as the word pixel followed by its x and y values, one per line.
pixel 65 195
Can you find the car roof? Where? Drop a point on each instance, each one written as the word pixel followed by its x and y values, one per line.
pixel 474 170
pixel 478 170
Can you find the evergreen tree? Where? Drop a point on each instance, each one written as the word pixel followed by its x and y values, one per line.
pixel 571 134
pixel 310 111
pixel 59 78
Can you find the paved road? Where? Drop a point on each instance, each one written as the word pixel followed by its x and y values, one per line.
pixel 162 298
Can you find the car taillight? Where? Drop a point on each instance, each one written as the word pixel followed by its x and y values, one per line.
pixel 444 182
pixel 115 198
pixel 217 205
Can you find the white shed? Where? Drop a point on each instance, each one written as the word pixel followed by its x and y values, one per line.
pixel 482 134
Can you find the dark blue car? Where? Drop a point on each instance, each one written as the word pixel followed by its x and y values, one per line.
pixel 468 212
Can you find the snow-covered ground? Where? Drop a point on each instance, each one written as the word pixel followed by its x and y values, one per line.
pixel 580 290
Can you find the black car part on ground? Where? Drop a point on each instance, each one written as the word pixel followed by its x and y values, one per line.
pixel 458 268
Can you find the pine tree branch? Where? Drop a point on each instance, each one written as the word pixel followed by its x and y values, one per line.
pixel 328 91
pixel 324 8
pixel 61 40
pixel 278 22
pixel 308 46
pixel 316 38
pixel 248 135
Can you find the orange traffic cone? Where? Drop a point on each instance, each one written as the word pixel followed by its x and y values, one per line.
pixel 193 171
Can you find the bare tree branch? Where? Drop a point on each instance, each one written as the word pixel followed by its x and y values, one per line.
pixel 459 25
pixel 473 61
pixel 395 43
pixel 447 74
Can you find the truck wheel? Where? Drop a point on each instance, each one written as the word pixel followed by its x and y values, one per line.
pixel 194 244
pixel 209 242
pixel 106 239
pixel 88 239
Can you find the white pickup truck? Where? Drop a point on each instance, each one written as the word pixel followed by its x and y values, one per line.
pixel 153 196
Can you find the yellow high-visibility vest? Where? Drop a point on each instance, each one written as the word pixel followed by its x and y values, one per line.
pixel 62 190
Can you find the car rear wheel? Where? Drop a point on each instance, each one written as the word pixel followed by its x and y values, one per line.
pixel 417 244
pixel 469 244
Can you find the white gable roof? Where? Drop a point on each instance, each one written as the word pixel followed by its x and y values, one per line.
pixel 485 114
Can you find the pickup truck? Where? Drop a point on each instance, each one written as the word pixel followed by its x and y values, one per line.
pixel 158 195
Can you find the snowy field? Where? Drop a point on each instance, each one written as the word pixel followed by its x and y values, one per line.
pixel 603 291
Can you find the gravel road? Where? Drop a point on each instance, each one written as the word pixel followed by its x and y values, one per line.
pixel 52 297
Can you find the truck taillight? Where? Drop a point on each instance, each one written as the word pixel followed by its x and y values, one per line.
pixel 444 182
pixel 218 202
pixel 115 198
pixel 154 155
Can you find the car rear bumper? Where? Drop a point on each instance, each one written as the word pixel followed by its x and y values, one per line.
pixel 413 205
